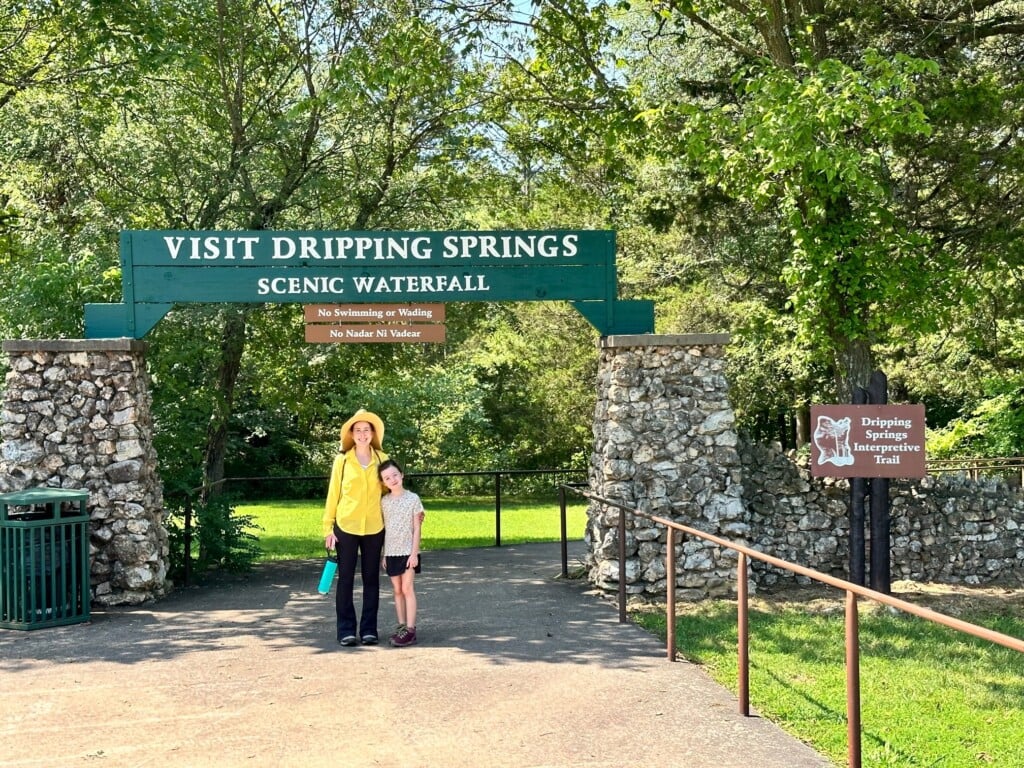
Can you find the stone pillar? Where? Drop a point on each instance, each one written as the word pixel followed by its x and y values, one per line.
pixel 77 414
pixel 665 443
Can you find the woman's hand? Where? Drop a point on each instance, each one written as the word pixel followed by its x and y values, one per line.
pixel 331 541
pixel 413 561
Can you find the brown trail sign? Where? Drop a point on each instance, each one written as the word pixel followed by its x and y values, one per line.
pixel 868 441
pixel 869 444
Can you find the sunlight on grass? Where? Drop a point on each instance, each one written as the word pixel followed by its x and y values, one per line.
pixel 929 696
pixel 291 529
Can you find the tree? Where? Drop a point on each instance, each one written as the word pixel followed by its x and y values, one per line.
pixel 46 50
pixel 297 115
pixel 851 166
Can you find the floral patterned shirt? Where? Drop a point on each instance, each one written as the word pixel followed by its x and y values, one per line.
pixel 399 512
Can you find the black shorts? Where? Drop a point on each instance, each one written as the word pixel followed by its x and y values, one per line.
pixel 395 564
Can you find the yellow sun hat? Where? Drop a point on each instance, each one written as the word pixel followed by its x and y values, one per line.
pixel 347 441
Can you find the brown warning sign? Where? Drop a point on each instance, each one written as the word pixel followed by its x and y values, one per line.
pixel 374 323
pixel 392 333
pixel 867 441
pixel 374 313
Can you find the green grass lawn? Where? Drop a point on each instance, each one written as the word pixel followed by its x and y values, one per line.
pixel 930 697
pixel 291 529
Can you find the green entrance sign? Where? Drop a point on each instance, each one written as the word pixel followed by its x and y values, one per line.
pixel 162 268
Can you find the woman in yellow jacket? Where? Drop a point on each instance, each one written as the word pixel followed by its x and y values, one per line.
pixel 354 525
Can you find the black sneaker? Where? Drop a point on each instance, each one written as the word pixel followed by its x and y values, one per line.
pixel 348 641
pixel 370 640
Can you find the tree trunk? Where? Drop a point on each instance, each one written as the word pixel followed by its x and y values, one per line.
pixel 231 349
pixel 773 31
pixel 853 366
pixel 803 425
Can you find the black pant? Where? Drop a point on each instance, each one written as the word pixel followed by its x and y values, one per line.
pixel 367 549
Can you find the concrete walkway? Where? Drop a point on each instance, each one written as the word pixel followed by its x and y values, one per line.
pixel 515 667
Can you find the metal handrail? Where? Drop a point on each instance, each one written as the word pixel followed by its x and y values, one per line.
pixel 974 467
pixel 994 461
pixel 853 591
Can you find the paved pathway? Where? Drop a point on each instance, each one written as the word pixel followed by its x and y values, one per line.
pixel 515 668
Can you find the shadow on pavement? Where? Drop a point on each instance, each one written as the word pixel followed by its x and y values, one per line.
pixel 517 668
pixel 503 603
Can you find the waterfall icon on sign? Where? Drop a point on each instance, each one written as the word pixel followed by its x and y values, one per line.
pixel 832 438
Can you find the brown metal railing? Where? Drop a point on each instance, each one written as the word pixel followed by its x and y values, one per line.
pixel 1009 468
pixel 853 592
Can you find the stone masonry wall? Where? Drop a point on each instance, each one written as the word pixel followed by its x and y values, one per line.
pixel 945 529
pixel 76 414
pixel 665 444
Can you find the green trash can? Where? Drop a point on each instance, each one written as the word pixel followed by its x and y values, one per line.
pixel 44 558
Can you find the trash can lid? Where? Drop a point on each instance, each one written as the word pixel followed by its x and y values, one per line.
pixel 43 495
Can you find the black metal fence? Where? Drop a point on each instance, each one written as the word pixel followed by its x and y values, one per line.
pixel 491 482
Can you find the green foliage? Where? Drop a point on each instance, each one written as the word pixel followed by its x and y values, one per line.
pixel 428 409
pixel 845 174
pixel 994 428
pixel 182 364
pixel 222 538
pixel 814 146
pixel 978 411
pixel 523 366
pixel 770 373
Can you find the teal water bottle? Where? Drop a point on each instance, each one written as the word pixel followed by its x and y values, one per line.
pixel 330 568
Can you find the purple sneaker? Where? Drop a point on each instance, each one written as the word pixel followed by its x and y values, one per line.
pixel 404 637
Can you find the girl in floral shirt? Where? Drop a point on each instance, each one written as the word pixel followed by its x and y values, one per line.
pixel 403 516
